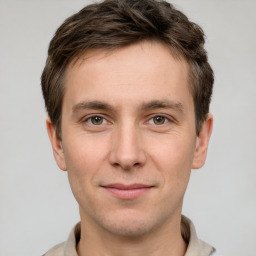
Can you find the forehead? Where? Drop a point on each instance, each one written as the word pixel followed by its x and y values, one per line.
pixel 141 72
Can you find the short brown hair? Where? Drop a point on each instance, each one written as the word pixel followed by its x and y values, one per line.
pixel 112 24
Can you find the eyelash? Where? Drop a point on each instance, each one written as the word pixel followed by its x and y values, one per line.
pixel 166 120
pixel 89 120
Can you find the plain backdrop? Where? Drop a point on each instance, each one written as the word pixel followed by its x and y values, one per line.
pixel 37 207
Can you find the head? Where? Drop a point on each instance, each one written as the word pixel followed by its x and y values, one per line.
pixel 127 88
pixel 114 24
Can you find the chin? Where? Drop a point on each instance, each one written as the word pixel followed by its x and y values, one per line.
pixel 129 228
pixel 131 224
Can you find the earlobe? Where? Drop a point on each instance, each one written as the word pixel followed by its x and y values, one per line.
pixel 56 145
pixel 202 143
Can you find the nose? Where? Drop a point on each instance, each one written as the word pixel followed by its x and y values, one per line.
pixel 126 149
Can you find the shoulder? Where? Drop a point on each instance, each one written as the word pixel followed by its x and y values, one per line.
pixel 195 245
pixel 206 249
pixel 68 247
pixel 57 250
pixel 215 253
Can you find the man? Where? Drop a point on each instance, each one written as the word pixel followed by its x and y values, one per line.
pixel 127 87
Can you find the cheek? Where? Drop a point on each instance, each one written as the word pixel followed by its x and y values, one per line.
pixel 84 158
pixel 173 158
pixel 84 153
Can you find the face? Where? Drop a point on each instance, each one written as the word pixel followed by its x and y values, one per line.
pixel 128 137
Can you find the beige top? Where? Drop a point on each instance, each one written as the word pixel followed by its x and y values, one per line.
pixel 196 247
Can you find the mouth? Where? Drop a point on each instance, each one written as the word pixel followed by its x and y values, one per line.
pixel 127 192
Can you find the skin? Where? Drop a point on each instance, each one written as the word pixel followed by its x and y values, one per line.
pixel 128 117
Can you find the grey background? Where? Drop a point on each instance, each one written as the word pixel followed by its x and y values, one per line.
pixel 37 207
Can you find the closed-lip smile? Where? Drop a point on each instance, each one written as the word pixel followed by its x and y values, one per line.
pixel 131 191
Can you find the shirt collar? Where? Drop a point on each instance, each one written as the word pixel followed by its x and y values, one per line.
pixel 195 245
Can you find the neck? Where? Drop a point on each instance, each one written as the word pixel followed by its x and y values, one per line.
pixel 165 241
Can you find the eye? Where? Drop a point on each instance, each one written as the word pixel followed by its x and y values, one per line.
pixel 158 120
pixel 96 120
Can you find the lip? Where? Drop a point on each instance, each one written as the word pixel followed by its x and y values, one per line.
pixel 127 192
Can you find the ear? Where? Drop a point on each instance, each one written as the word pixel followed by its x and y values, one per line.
pixel 202 143
pixel 56 145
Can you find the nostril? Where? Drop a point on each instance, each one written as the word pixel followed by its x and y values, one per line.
pixel 126 155
pixel 128 167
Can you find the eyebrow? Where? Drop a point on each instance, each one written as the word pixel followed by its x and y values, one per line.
pixel 154 104
pixel 91 105
pixel 165 104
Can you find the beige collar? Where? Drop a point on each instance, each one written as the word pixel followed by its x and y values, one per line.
pixel 196 247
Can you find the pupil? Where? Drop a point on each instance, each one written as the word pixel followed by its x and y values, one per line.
pixel 97 120
pixel 159 120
